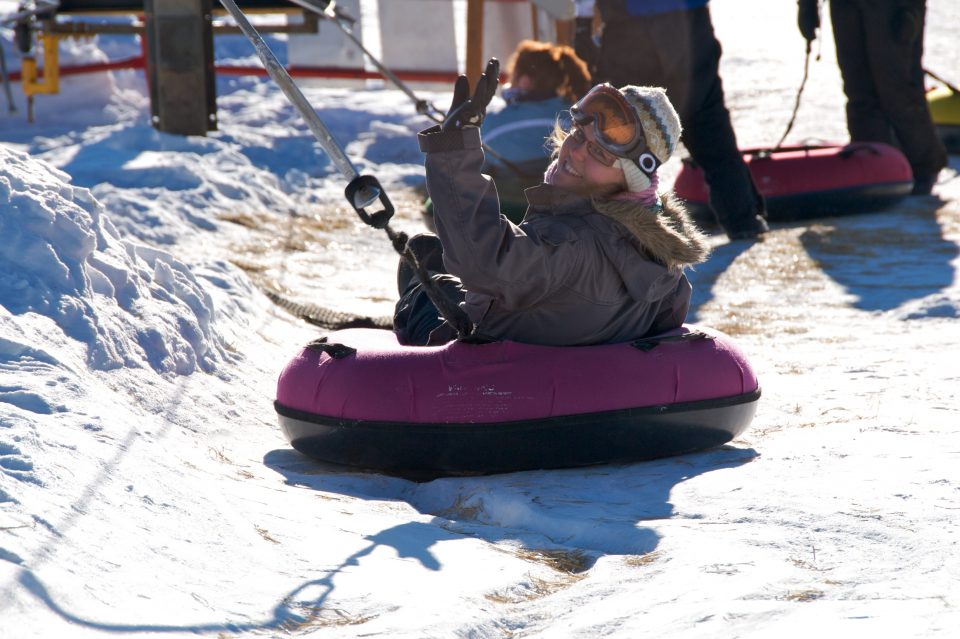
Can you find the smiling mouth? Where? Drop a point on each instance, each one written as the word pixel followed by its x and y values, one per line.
pixel 569 169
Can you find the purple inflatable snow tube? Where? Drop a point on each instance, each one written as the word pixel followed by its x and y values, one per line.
pixel 686 390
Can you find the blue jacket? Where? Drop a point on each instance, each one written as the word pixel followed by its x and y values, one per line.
pixel 519 131
pixel 637 8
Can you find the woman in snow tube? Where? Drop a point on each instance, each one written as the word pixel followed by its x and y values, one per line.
pixel 597 263
pixel 600 255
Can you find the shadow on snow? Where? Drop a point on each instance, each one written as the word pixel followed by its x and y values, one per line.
pixel 887 259
pixel 592 511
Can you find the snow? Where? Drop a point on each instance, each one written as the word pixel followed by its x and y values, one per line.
pixel 146 489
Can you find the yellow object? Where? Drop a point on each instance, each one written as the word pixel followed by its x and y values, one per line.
pixel 51 69
pixel 944 106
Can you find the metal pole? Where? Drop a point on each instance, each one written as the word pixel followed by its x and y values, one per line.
pixel 6 82
pixel 330 14
pixel 366 196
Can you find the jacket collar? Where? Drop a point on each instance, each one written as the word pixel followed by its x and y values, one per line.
pixel 666 232
pixel 549 198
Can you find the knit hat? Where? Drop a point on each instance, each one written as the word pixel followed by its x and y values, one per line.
pixel 661 127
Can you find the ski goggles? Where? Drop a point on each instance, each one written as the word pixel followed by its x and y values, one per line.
pixel 616 126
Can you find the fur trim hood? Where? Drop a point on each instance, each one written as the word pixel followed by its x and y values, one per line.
pixel 668 235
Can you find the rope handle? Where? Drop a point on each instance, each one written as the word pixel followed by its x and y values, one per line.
pixel 852 149
pixel 334 350
pixel 647 344
pixel 363 191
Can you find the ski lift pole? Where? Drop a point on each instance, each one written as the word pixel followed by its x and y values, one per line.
pixel 6 82
pixel 331 13
pixel 362 190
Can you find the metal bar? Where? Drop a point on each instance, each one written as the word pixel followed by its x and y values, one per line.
pixel 936 77
pixel 6 82
pixel 279 75
pixel 331 14
pixel 78 28
pixel 345 73
pixel 297 99
pixel 40 8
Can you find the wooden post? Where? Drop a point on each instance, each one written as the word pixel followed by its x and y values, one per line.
pixel 535 21
pixel 474 60
pixel 565 32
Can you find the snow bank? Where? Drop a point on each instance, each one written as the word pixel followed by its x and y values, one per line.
pixel 63 259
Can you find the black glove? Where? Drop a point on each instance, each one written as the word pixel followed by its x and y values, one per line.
pixel 583 42
pixel 469 111
pixel 808 18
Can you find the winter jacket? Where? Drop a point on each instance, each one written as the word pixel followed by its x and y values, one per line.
pixel 570 273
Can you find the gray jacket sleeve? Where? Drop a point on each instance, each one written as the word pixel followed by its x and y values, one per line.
pixel 484 249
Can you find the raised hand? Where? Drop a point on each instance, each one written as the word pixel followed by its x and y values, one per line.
pixel 466 110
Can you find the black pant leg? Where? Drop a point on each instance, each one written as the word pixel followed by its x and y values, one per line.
pixel 708 131
pixel 894 40
pixel 679 51
pixel 416 316
pixel 866 120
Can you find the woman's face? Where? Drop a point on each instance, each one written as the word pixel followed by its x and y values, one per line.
pixel 585 168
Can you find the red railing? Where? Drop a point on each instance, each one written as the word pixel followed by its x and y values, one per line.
pixel 341 73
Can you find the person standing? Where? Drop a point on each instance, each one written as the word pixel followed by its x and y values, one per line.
pixel 671 43
pixel 879 50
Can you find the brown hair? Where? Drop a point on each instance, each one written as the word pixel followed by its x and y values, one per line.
pixel 554 69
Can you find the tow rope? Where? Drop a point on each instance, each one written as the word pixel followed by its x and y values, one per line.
pixel 362 191
pixel 796 104
pixel 325 317
pixel 953 88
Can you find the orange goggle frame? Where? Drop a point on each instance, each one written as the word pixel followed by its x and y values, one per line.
pixel 616 126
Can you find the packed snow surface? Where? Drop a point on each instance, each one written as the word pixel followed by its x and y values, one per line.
pixel 146 489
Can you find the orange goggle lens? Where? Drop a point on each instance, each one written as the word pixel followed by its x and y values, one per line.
pixel 616 126
pixel 615 123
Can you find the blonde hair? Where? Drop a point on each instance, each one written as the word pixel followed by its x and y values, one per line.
pixel 556 138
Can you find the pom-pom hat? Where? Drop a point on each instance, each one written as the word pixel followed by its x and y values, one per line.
pixel 637 124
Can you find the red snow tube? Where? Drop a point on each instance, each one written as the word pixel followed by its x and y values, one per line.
pixel 361 399
pixel 805 182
